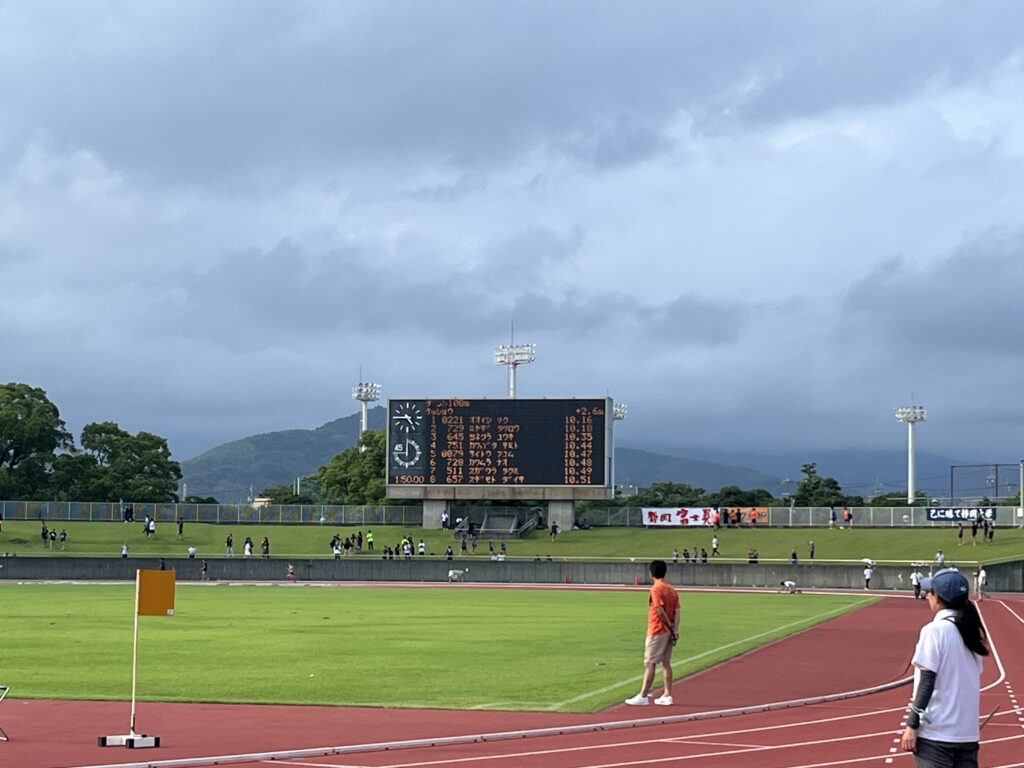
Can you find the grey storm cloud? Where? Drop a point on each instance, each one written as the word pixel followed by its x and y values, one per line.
pixel 252 300
pixel 231 91
pixel 780 209
pixel 958 305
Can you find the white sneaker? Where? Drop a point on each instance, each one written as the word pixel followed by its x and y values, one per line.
pixel 638 701
pixel 665 701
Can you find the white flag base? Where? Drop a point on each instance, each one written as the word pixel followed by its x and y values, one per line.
pixel 130 741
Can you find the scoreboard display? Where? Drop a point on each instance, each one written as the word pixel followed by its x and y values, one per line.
pixel 498 443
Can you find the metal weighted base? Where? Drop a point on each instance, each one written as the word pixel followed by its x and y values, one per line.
pixel 131 741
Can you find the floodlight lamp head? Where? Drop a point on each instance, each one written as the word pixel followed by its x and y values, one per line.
pixel 910 414
pixel 620 411
pixel 366 392
pixel 515 354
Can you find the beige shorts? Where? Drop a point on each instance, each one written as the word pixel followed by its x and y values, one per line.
pixel 658 648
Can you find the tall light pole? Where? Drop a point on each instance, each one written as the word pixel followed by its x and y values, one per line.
pixel 910 415
pixel 619 413
pixel 514 355
pixel 365 392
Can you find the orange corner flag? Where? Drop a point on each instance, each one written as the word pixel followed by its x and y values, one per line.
pixel 154 593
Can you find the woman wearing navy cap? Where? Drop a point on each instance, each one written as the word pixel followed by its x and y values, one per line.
pixel 942 727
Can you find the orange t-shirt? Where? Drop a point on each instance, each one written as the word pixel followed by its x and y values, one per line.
pixel 665 595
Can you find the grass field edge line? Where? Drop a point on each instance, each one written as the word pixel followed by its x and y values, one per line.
pixel 806 623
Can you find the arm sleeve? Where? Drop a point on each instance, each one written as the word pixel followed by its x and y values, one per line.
pixel 923 694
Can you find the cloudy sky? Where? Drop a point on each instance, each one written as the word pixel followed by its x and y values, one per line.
pixel 761 225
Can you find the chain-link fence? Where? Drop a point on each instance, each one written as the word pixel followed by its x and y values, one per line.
pixel 328 514
pixel 803 517
pixel 339 514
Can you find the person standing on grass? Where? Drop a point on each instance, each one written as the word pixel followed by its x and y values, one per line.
pixel 662 635
pixel 714 547
pixel 942 726
pixel 810 550
pixel 229 543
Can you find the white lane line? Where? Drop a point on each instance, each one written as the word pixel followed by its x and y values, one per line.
pixel 641 742
pixel 847 761
pixel 808 622
pixel 741 749
pixel 725 753
pixel 1015 614
pixel 995 654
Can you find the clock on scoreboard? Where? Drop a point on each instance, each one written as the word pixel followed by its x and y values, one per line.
pixel 559 442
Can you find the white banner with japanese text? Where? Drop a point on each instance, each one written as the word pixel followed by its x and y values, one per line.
pixel 688 516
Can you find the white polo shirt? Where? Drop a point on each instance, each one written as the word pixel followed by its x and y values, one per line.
pixel 952 713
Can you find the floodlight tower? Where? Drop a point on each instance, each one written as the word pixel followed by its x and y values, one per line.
pixel 619 413
pixel 365 392
pixel 910 415
pixel 514 355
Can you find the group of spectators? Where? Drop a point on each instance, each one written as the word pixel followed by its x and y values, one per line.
pixel 698 556
pixel 351 545
pixel 50 537
pixel 987 528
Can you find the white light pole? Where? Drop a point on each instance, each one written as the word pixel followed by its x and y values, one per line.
pixel 619 413
pixel 910 415
pixel 1020 512
pixel 365 392
pixel 514 355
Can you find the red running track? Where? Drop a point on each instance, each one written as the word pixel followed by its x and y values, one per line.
pixel 866 648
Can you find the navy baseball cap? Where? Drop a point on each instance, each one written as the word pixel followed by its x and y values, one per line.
pixel 949 584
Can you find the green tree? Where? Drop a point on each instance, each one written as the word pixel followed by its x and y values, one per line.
pixel 814 490
pixel 136 467
pixel 285 494
pixel 670 495
pixel 734 496
pixel 899 499
pixel 77 476
pixel 31 434
pixel 354 476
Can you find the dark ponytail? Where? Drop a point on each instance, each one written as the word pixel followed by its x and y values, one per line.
pixel 968 622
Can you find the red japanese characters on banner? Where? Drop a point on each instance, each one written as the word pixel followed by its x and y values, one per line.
pixel 678 516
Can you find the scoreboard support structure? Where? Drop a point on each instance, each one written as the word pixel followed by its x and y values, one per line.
pixel 560 513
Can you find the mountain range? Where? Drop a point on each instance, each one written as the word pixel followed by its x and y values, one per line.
pixel 240 469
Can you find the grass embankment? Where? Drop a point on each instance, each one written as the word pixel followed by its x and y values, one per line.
pixel 573 651
pixel 896 545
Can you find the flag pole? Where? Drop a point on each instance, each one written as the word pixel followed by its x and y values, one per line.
pixel 133 739
pixel 135 653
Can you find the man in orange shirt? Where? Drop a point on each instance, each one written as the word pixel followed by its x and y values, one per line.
pixel 662 634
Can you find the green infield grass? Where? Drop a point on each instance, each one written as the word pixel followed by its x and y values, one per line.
pixel 893 545
pixel 556 650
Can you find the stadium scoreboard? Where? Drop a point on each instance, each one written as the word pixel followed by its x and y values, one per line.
pixel 455 448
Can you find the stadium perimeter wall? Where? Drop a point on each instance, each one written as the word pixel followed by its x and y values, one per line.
pixel 1003 577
